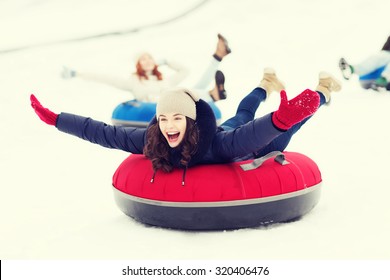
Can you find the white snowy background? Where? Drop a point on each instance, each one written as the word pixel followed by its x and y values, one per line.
pixel 56 200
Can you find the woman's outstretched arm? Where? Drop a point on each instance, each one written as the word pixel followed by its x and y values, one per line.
pixel 128 139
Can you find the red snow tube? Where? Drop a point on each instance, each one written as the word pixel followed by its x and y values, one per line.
pixel 279 187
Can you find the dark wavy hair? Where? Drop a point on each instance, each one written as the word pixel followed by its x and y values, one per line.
pixel 142 74
pixel 157 147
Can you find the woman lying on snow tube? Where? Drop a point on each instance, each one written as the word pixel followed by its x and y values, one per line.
pixel 139 114
pixel 373 71
pixel 184 132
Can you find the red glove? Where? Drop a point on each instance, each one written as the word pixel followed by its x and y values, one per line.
pixel 44 114
pixel 297 109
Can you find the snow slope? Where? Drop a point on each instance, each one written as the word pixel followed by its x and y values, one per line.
pixel 55 190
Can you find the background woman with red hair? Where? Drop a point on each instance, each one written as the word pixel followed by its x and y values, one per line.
pixel 147 82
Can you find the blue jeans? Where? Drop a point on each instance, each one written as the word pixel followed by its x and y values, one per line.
pixel 246 112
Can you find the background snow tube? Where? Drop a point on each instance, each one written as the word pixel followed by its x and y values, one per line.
pixel 372 75
pixel 220 196
pixel 139 114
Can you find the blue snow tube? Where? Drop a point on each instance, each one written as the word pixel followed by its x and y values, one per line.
pixel 373 75
pixel 139 114
pixel 367 81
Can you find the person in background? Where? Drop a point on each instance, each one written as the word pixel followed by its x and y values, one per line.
pixel 147 82
pixel 373 72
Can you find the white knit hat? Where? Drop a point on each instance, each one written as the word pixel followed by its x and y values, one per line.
pixel 177 100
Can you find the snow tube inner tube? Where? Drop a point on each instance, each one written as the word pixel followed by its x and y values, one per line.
pixel 139 114
pixel 279 187
pixel 373 75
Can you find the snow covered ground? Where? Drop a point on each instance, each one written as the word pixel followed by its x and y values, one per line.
pixel 56 199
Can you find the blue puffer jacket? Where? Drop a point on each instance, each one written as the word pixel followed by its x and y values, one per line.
pixel 215 146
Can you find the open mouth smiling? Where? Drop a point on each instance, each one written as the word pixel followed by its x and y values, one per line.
pixel 173 136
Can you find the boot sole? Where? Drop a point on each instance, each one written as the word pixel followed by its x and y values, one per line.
pixel 227 48
pixel 220 82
